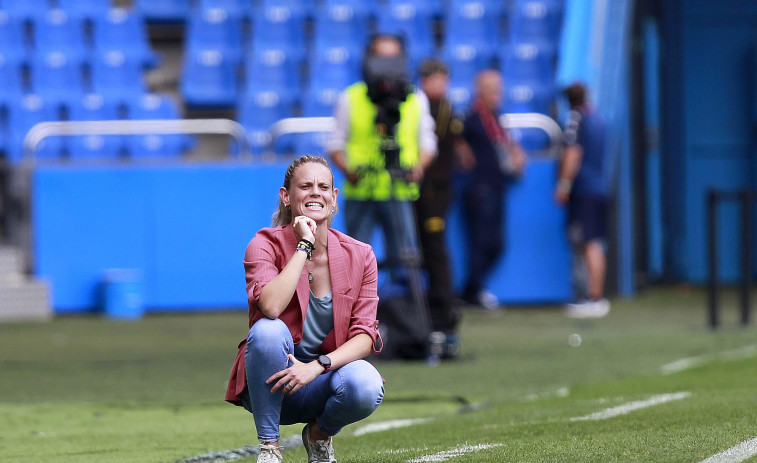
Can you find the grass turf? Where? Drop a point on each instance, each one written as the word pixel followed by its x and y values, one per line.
pixel 85 389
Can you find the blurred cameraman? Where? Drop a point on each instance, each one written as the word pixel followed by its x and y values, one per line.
pixel 383 142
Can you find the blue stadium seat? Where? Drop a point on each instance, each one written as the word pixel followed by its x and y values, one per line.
pixel 529 61
pixel 58 31
pixel 271 70
pixel 215 29
pixel 209 80
pixel 472 22
pixel 93 107
pixel 26 10
pixel 154 106
pixel 464 62
pixel 87 9
pixel 280 26
pixel 334 68
pixel 528 96
pixel 318 103
pixel 124 30
pixel 13 42
pixel 340 25
pixel 535 21
pixel 256 112
pixel 361 9
pixel 11 80
pixel 236 9
pixel 302 8
pixel 117 76
pixel 163 11
pixel 24 113
pixel 56 78
pixel 415 24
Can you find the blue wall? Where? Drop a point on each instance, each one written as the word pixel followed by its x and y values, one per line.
pixel 708 134
pixel 185 227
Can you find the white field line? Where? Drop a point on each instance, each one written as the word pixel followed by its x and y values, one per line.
pixel 632 406
pixel 739 453
pixel 691 362
pixel 387 425
pixel 561 392
pixel 455 452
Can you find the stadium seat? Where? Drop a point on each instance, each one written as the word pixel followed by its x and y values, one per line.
pixel 93 107
pixel 340 25
pixel 25 10
pixel 56 78
pixel 86 9
pixel 23 114
pixel 11 80
pixel 405 18
pixel 334 68
pixel 279 26
pixel 154 106
pixel 209 80
pixel 474 23
pixel 163 11
pixel 236 9
pixel 257 111
pixel 528 97
pixel 123 30
pixel 57 31
pixel 535 21
pixel 302 8
pixel 13 43
pixel 464 62
pixel 318 103
pixel 529 61
pixel 215 29
pixel 271 70
pixel 117 77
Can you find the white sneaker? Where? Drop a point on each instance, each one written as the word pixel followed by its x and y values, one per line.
pixel 488 300
pixel 588 309
pixel 269 454
pixel 320 451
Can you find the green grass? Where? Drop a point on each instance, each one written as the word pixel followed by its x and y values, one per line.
pixel 85 389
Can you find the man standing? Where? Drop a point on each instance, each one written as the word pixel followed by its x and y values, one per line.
pixel 582 187
pixel 498 159
pixel 433 204
pixel 354 147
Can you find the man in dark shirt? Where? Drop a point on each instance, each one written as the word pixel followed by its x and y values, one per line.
pixel 582 187
pixel 498 159
pixel 432 207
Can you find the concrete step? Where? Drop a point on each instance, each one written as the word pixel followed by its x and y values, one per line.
pixel 24 299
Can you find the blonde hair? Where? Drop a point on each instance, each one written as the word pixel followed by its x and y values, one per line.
pixel 283 214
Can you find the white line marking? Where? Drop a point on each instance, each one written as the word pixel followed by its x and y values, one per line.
pixel 387 425
pixel 739 453
pixel 632 406
pixel 561 392
pixel 456 452
pixel 691 362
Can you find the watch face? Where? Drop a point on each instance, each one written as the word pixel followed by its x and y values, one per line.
pixel 324 360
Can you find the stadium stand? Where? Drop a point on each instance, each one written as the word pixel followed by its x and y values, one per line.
pixel 11 81
pixel 93 107
pixel 272 70
pixel 85 9
pixel 25 10
pixel 57 31
pixel 56 78
pixel 415 23
pixel 280 25
pixel 154 106
pixel 236 9
pixel 163 11
pixel 121 29
pixel 117 76
pixel 209 80
pixel 215 29
pixel 13 42
pixel 257 112
pixel 23 113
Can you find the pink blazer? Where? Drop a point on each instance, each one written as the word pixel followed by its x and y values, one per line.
pixel 354 277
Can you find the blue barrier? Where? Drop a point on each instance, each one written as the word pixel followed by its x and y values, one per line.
pixel 186 226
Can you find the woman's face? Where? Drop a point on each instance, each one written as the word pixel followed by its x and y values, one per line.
pixel 311 192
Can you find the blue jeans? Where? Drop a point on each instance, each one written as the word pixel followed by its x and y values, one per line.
pixel 335 399
pixel 362 217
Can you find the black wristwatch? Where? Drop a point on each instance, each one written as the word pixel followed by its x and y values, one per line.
pixel 325 362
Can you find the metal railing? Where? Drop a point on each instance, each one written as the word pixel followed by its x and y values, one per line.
pixel 511 121
pixel 134 127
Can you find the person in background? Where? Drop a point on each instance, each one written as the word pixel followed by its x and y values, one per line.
pixel 312 294
pixel 581 186
pixel 433 204
pixel 498 160
pixel 354 149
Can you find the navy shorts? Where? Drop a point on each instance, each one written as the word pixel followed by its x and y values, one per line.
pixel 587 218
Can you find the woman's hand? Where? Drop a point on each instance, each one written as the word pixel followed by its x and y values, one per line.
pixel 304 228
pixel 292 379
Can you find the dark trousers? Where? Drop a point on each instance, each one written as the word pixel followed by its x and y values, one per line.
pixel 432 224
pixel 484 210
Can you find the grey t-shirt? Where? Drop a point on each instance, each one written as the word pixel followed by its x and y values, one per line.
pixel 318 323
